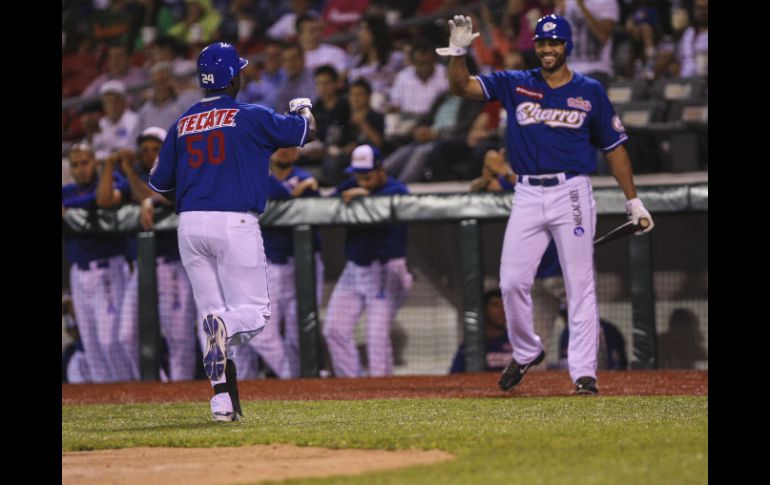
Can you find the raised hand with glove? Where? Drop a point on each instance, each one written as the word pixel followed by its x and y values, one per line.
pixel 297 104
pixel 461 37
pixel 636 212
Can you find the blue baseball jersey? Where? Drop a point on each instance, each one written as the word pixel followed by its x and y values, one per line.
pixel 554 130
pixel 216 156
pixel 497 355
pixel 82 249
pixel 279 242
pixel 363 245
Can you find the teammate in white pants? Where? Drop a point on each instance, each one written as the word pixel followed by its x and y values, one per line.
pixel 375 277
pixel 557 120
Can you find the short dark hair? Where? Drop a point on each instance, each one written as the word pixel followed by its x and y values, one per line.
pixel 292 45
pixel 495 292
pixel 305 17
pixel 361 82
pixel 422 44
pixel 326 69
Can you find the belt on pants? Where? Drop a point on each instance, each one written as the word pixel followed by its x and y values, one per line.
pixel 97 263
pixel 548 180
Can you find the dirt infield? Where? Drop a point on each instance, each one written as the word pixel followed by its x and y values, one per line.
pixel 548 383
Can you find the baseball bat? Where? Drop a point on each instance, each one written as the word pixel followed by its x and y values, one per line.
pixel 625 229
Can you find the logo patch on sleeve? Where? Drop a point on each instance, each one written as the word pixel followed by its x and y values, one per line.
pixel 617 125
pixel 528 92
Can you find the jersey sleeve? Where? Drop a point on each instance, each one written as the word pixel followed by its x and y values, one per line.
pixel 163 172
pixel 607 132
pixel 282 130
pixel 492 84
pixel 394 188
pixel 120 182
pixel 276 190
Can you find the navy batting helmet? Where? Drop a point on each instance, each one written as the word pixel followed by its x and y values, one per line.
pixel 218 64
pixel 554 27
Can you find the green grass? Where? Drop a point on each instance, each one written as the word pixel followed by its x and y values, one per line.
pixel 630 440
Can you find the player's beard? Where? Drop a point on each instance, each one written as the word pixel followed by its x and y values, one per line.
pixel 560 61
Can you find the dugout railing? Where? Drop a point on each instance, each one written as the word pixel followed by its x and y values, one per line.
pixel 469 226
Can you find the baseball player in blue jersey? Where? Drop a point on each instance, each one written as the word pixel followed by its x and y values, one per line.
pixel 281 353
pixel 99 269
pixel 176 307
pixel 375 277
pixel 557 120
pixel 214 163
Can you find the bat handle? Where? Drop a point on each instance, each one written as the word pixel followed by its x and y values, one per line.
pixel 644 222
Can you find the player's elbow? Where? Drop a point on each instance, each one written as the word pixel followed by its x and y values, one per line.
pixel 310 134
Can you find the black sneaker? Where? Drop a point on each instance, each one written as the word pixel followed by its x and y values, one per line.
pixel 231 374
pixel 586 386
pixel 514 372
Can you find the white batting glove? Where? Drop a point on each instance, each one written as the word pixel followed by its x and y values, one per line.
pixel 298 103
pixel 636 211
pixel 461 37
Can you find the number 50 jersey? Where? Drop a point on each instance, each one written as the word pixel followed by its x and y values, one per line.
pixel 216 156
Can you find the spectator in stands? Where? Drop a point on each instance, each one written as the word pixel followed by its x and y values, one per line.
pixel 299 80
pixel 245 21
pixel 199 25
pixel 644 29
pixel 118 69
pixel 693 48
pixel 309 28
pixel 285 28
pixel 161 108
pixel 271 77
pixel 119 126
pixel 666 63
pixel 592 26
pixel 113 25
pixel 682 345
pixel 340 15
pixel 449 122
pixel 332 114
pixel 497 347
pixel 376 61
pixel 415 89
pixel 98 268
pixel 612 346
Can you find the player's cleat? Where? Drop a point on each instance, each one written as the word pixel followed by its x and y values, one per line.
pixel 586 386
pixel 231 375
pixel 222 408
pixel 214 358
pixel 514 372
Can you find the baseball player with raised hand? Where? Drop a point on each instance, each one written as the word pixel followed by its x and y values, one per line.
pixel 375 277
pixel 176 307
pixel 281 353
pixel 99 269
pixel 557 120
pixel 214 163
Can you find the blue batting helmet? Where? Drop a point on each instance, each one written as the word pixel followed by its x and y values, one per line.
pixel 554 27
pixel 218 64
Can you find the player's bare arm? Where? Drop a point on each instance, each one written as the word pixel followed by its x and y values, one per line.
pixel 106 195
pixel 350 194
pixel 461 36
pixel 309 183
pixel 620 165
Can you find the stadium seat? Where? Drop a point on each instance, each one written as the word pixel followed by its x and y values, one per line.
pixel 621 92
pixel 682 89
pixel 641 113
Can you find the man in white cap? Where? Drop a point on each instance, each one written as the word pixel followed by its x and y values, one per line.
pixel 375 277
pixel 119 125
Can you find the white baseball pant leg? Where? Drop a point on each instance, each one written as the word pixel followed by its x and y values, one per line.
pixel 224 257
pixel 96 297
pixel 345 306
pixel 525 241
pixel 126 356
pixel 573 206
pixel 177 314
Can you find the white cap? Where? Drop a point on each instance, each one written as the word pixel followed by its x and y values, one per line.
pixel 113 86
pixel 153 132
pixel 364 159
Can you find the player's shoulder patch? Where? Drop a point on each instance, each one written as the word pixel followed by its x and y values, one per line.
pixel 617 125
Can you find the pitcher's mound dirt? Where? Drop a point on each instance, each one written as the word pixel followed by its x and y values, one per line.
pixel 246 464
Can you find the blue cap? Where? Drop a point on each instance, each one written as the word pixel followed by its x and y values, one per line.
pixel 218 64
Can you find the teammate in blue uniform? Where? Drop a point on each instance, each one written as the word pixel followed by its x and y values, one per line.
pixel 281 353
pixel 98 269
pixel 557 120
pixel 375 277
pixel 214 163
